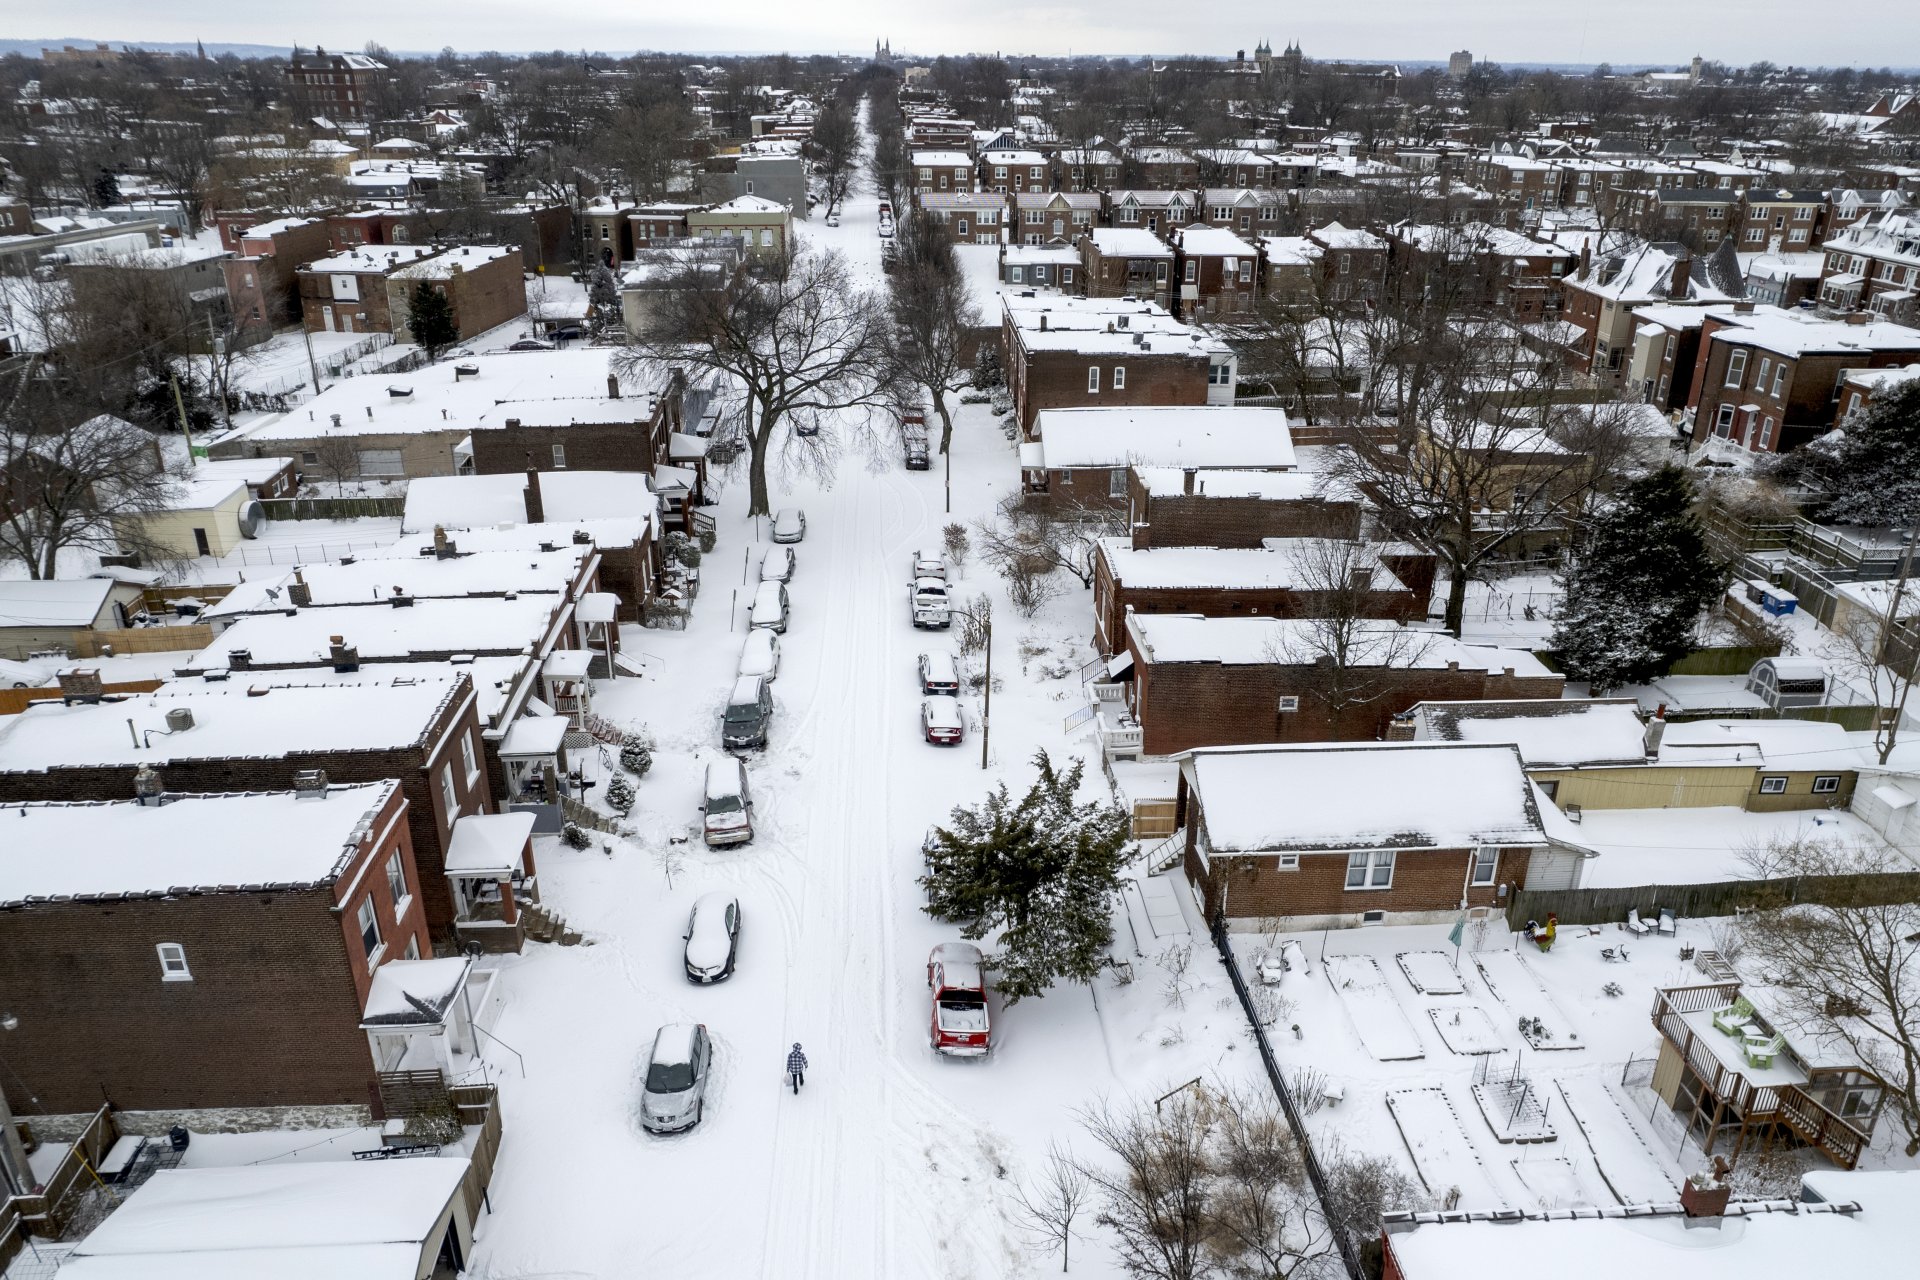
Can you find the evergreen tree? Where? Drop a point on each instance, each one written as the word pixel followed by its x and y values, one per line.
pixel 1635 593
pixel 1868 472
pixel 604 320
pixel 620 795
pixel 1041 871
pixel 432 322
pixel 636 755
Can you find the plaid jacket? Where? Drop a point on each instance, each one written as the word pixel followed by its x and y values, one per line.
pixel 796 1061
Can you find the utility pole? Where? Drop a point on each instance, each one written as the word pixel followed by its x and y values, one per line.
pixel 216 358
pixel 179 404
pixel 1885 736
pixel 986 699
pixel 312 364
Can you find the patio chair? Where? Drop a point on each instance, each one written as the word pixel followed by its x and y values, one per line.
pixel 1760 1052
pixel 1669 923
pixel 1635 925
pixel 1734 1018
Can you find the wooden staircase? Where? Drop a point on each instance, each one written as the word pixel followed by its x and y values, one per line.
pixel 544 926
pixel 587 816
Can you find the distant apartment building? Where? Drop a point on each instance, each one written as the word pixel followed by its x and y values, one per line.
pixel 339 86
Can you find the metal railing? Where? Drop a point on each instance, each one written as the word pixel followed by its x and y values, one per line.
pixel 1349 1256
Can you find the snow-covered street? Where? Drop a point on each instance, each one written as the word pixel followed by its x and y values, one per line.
pixel 893 1162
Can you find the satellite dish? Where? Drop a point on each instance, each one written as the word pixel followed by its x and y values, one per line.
pixel 252 516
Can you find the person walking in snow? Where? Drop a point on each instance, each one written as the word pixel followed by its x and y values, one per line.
pixel 796 1068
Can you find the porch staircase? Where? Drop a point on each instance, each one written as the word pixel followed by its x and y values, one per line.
pixel 587 816
pixel 1163 855
pixel 544 926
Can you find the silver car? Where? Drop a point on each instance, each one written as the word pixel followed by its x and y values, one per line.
pixel 713 937
pixel 676 1086
pixel 789 524
pixel 777 564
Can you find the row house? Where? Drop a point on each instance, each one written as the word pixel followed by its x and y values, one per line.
pixel 1053 217
pixel 262 275
pixel 250 734
pixel 147 940
pixel 1083 455
pixel 1126 262
pixel 1241 209
pixel 1703 217
pixel 1767 379
pixel 1043 266
pixel 1874 265
pixel 1158 211
pixel 369 291
pixel 1848 205
pixel 1064 352
pixel 1354 261
pixel 969 217
pixel 1219 274
pixel 1513 272
pixel 1011 172
pixel 1861 389
pixel 1335 835
pixel 1665 340
pixel 1603 294
pixel 1229 681
pixel 1294 266
pixel 943 171
pixel 1236 167
pixel 1215 507
pixel 1163 167
pixel 1782 220
pixel 1086 169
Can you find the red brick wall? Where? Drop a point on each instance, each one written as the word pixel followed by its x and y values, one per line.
pixel 1199 521
pixel 1058 380
pixel 1183 705
pixel 487 294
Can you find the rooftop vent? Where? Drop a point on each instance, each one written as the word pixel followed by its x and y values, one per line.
pixel 146 785
pixel 310 784
pixel 239 659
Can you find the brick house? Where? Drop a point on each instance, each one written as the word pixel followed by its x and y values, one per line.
pixel 1782 220
pixel 1062 352
pixel 1126 262
pixel 943 171
pixel 1195 507
pixel 1040 266
pixel 1861 388
pixel 1766 378
pixel 347 292
pixel 1162 167
pixel 1011 172
pixel 1236 167
pixel 1156 211
pixel 764 226
pixel 1053 217
pixel 1701 218
pixel 1510 271
pixel 969 217
pixel 1295 268
pixel 1665 347
pixel 1874 265
pixel 1083 456
pixel 257 736
pixel 1602 294
pixel 202 951
pixel 350 230
pixel 611 432
pixel 1354 262
pixel 1218 273
pixel 1281 578
pixel 271 252
pixel 1333 836
pixel 1086 169
pixel 1251 213
pixel 606 233
pixel 339 86
pixel 1201 682
pixel 486 285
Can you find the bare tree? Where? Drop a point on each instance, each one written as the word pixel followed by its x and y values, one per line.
pixel 339 458
pixel 1054 1202
pixel 801 340
pixel 1154 1199
pixel 1266 1220
pixel 1877 651
pixel 836 143
pixel 1047 535
pixel 1359 653
pixel 932 312
pixel 1845 972
pixel 1361 1190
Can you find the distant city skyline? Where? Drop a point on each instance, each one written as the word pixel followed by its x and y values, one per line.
pixel 1631 32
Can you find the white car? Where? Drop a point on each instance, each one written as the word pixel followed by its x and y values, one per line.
pixel 789 524
pixel 760 655
pixel 938 675
pixel 929 564
pixel 713 937
pixel 777 565
pixel 928 603
pixel 769 607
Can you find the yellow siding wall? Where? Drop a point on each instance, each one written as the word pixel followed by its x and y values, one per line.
pixel 1675 787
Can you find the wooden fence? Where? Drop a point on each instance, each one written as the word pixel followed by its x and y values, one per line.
pixel 188 638
pixel 45 1214
pixel 14 701
pixel 1718 898
pixel 1153 819
pixel 332 508
pixel 479 1107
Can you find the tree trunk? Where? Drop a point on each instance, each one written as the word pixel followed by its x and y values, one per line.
pixel 946 419
pixel 1456 601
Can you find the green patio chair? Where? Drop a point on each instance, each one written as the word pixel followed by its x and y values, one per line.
pixel 1734 1018
pixel 1760 1052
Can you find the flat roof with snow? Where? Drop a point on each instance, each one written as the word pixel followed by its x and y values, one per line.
pixel 370 1219
pixel 1549 732
pixel 63 602
pixel 1799 745
pixel 480 624
pixel 1391 795
pixel 231 720
pixel 369 582
pixel 90 850
pixel 1278 564
pixel 1187 637
pixel 1195 436
pixel 469 502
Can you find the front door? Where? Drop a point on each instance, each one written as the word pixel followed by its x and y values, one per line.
pixel 200 544
pixel 326 316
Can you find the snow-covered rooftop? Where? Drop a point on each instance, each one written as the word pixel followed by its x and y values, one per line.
pixel 1773 744
pixel 231 720
pixel 65 602
pixel 308 1221
pixel 1171 482
pixel 1797 333
pixel 466 502
pixel 1280 564
pixel 1187 637
pixel 92 850
pixel 1213 242
pixel 481 624
pixel 366 582
pixel 377 259
pixel 1196 436
pixel 1129 242
pixel 490 843
pixel 1549 732
pixel 1403 795
pixel 464 258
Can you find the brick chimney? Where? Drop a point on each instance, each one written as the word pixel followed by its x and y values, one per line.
pixel 310 784
pixel 1704 1196
pixel 81 684
pixel 299 594
pixel 1186 481
pixel 613 386
pixel 536 509
pixel 1682 275
pixel 1655 731
pixel 343 656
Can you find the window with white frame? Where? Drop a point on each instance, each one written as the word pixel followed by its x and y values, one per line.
pixel 1016 275
pixel 1033 174
pixel 1193 271
pixel 1486 861
pixel 559 457
pixel 1119 377
pixel 1736 367
pixel 1775 785
pixel 1723 420
pixel 1000 171
pixel 369 930
pixel 1766 432
pixel 1779 379
pixel 1287 862
pixel 1826 784
pixel 468 758
pixel 1093 379
pixel 397 883
pixel 1246 272
pixel 1117 483
pixel 1370 869
pixel 173 962
pixel 449 796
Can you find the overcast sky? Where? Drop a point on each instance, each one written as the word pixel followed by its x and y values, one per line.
pixel 1855 32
